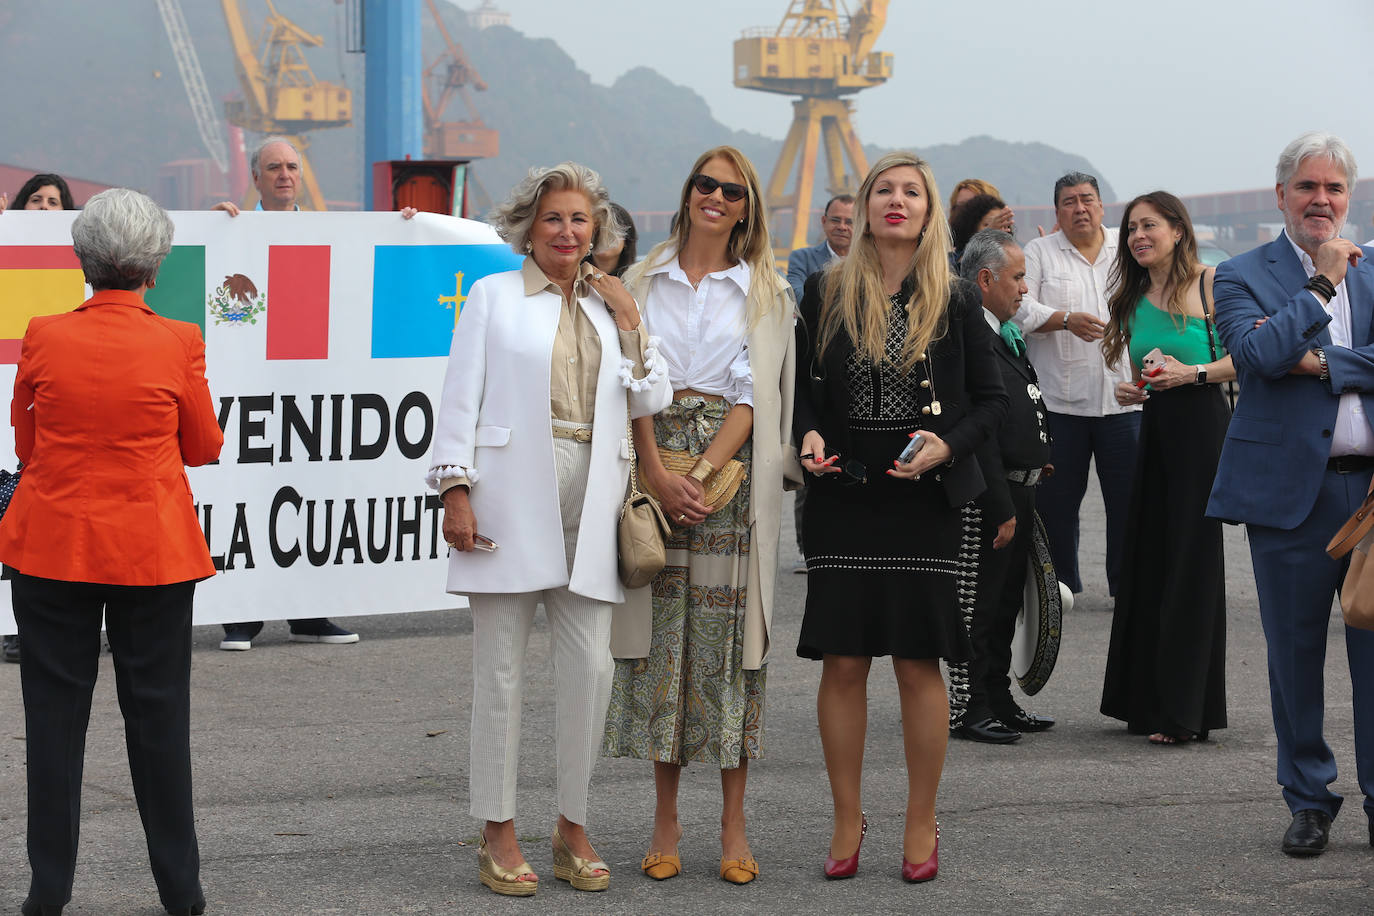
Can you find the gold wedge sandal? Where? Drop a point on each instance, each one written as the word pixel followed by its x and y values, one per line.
pixel 580 873
pixel 502 880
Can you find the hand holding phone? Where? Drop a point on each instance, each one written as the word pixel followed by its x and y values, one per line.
pixel 1150 366
pixel 914 445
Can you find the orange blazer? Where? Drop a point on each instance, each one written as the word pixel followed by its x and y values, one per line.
pixel 110 404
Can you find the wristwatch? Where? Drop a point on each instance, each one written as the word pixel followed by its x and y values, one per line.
pixel 1201 377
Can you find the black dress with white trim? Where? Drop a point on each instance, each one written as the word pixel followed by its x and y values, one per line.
pixel 885 555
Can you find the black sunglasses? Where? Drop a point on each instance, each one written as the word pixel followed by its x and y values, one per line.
pixel 705 184
pixel 854 472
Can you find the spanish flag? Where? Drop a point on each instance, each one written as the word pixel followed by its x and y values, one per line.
pixel 35 280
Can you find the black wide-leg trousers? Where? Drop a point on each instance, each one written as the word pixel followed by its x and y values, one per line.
pixel 149 629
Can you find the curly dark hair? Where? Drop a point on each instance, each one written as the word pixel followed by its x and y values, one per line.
pixel 964 221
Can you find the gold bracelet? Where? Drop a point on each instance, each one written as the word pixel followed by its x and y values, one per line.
pixel 701 470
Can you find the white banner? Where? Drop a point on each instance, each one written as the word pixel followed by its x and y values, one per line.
pixel 327 336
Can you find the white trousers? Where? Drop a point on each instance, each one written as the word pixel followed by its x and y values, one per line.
pixel 580 630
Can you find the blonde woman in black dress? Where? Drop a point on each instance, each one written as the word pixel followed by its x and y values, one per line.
pixel 890 344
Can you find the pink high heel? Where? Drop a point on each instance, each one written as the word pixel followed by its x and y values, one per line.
pixel 845 868
pixel 927 870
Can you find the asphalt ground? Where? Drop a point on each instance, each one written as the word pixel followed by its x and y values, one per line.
pixel 332 779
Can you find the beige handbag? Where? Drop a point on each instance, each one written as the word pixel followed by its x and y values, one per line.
pixel 1355 538
pixel 643 529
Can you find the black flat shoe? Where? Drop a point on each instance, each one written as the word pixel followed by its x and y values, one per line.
pixel 1308 834
pixel 1023 721
pixel 988 731
pixel 32 907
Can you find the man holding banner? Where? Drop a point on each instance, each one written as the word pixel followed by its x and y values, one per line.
pixel 276 167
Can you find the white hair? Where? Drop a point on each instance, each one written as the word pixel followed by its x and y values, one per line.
pixel 261 147
pixel 1315 143
pixel 121 238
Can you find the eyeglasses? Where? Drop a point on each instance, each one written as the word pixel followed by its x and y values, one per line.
pixel 706 185
pixel 854 472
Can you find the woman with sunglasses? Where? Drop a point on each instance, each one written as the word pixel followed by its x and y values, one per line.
pixel 691 648
pixel 891 346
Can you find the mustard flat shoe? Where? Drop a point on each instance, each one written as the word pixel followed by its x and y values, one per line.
pixel 661 866
pixel 739 871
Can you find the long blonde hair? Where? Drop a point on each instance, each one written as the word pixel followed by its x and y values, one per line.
pixel 853 298
pixel 749 241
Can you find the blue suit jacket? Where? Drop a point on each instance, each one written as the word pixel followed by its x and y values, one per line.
pixel 1280 436
pixel 803 262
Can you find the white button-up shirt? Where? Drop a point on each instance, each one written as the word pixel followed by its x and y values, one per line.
pixel 1074 377
pixel 1352 435
pixel 702 331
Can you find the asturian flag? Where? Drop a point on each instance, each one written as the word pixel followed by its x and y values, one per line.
pixel 327 336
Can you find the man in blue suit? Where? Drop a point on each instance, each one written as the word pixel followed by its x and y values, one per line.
pixel 1296 316
pixel 837 220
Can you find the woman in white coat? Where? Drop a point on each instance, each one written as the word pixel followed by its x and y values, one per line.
pixel 531 455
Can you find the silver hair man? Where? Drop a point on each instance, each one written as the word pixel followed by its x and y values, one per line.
pixel 988 248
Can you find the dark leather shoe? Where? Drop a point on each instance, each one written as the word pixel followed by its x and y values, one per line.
pixel 32 907
pixel 1023 721
pixel 1308 833
pixel 988 731
pixel 194 909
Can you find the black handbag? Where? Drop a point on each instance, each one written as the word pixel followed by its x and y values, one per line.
pixel 8 483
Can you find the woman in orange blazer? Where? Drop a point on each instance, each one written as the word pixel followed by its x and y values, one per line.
pixel 110 403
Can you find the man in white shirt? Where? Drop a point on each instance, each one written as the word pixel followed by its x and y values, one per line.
pixel 1064 319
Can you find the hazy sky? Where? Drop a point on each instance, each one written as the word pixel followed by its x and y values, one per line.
pixel 1187 95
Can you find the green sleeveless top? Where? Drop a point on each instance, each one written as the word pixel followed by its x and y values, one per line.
pixel 1182 337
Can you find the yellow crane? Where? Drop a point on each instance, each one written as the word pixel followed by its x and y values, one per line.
pixel 281 94
pixel 452 72
pixel 821 53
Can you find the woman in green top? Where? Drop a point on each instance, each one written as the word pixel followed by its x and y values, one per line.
pixel 1166 667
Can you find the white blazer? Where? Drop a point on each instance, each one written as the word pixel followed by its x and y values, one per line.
pixel 494 423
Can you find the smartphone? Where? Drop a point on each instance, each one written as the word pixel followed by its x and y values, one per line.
pixel 1151 365
pixel 914 445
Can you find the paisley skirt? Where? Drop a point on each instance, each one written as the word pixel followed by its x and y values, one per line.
pixel 692 699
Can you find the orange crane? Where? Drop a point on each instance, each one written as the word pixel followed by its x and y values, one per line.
pixel 452 72
pixel 281 94
pixel 821 53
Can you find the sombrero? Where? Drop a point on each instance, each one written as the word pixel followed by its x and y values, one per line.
pixel 1035 647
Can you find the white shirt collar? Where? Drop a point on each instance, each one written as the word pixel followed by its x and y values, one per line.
pixel 834 255
pixel 1303 257
pixel 993 321
pixel 739 273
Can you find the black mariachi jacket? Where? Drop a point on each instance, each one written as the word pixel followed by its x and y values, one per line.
pixel 1022 442
pixel 962 363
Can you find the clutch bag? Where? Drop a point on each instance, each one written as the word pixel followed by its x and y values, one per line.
pixel 720 487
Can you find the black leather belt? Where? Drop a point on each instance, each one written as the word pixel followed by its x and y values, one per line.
pixel 1027 478
pixel 1347 464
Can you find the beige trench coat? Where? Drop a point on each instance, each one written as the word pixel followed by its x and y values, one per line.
pixel 774 467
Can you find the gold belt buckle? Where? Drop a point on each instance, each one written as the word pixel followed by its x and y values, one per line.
pixel 582 434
